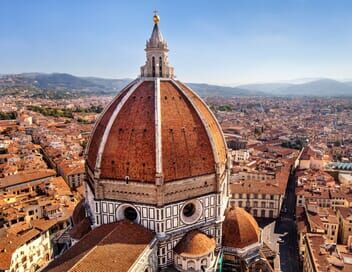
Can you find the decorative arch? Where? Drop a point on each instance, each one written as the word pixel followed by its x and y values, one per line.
pixel 191 265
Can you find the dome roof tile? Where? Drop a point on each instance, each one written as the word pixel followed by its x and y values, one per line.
pixel 195 243
pixel 239 228
pixel 125 140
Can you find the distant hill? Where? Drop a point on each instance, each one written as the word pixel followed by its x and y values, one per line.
pixel 70 85
pixel 322 87
pixel 61 81
pixel 216 90
pixel 110 84
pixel 319 88
pixel 266 87
pixel 349 83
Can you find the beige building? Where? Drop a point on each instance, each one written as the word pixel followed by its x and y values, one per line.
pixel 260 194
pixel 24 248
pixel 321 256
pixel 240 155
pixel 72 172
pixel 319 195
pixel 344 216
pixel 313 159
pixel 323 221
pixel 264 203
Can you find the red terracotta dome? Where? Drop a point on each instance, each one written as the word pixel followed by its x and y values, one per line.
pixel 195 243
pixel 239 228
pixel 156 127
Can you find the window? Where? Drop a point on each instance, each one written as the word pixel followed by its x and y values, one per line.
pixel 189 210
pixel 191 265
pixel 153 66
pixel 262 213
pixel 271 214
pixel 160 67
pixel 179 261
pixel 130 213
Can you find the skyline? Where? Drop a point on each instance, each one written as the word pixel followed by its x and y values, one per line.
pixel 229 44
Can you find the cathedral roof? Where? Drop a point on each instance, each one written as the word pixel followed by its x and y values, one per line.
pixel 239 228
pixel 109 247
pixel 195 243
pixel 156 127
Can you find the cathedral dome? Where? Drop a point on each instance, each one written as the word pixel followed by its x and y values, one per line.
pixel 154 128
pixel 239 228
pixel 195 244
pixel 156 131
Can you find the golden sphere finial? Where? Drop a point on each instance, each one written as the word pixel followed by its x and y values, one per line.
pixel 156 17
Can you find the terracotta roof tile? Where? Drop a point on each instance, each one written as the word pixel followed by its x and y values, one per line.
pixel 100 128
pixel 130 150
pixel 130 146
pixel 80 229
pixel 195 243
pixel 109 247
pixel 239 228
pixel 186 148
pixel 26 176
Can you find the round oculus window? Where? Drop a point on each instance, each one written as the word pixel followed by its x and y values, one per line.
pixel 130 213
pixel 191 212
pixel 189 209
pixel 126 211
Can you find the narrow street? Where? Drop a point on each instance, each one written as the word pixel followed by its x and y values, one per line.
pixel 286 227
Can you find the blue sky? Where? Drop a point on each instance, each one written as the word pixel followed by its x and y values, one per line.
pixel 224 42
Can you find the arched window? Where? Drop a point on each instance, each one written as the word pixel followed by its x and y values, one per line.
pixel 204 262
pixel 160 67
pixel 153 66
pixel 179 261
pixel 191 265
